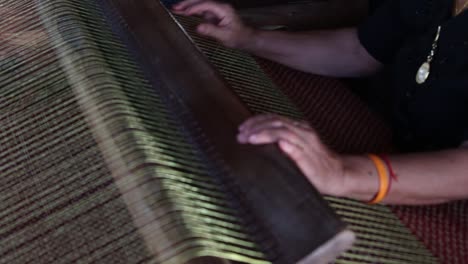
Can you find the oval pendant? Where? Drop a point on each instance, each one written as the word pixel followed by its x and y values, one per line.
pixel 423 73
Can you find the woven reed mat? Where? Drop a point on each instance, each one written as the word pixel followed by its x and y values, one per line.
pixel 58 200
pixel 93 168
pixel 62 104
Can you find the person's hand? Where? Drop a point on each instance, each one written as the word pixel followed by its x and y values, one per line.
pixel 221 22
pixel 323 168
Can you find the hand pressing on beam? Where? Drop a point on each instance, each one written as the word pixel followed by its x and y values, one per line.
pixel 323 168
pixel 423 178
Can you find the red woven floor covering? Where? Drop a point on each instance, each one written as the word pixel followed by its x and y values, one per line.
pixel 348 126
pixel 342 120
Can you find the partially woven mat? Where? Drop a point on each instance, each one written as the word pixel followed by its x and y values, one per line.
pixel 344 120
pixel 93 167
pixel 58 200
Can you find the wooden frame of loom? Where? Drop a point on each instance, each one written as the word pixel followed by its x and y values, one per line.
pixel 300 14
pixel 298 218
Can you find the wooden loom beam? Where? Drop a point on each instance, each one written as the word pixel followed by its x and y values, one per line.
pixel 285 203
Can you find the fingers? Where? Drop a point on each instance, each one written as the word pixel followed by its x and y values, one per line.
pixel 185 4
pixel 257 124
pixel 295 152
pixel 301 144
pixel 293 137
pixel 202 8
pixel 270 129
pixel 265 122
pixel 210 18
pixel 212 31
pixel 221 22
pixel 247 125
pixel 272 135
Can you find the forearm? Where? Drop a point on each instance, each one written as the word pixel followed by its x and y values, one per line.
pixel 336 53
pixel 428 178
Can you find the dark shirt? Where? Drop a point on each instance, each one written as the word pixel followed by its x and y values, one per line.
pixel 400 34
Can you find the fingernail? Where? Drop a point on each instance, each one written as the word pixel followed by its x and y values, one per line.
pixel 277 124
pixel 253 139
pixel 286 147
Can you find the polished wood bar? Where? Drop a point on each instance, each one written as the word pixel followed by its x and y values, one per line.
pixel 307 15
pixel 271 188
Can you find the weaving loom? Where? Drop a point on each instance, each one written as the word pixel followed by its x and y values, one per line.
pixel 101 161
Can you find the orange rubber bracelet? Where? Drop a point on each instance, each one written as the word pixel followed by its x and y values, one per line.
pixel 384 179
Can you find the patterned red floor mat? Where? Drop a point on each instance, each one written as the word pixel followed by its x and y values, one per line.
pixel 347 125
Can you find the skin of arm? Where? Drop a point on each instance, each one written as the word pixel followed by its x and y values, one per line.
pixel 424 178
pixel 336 53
